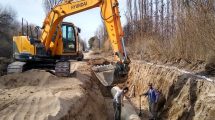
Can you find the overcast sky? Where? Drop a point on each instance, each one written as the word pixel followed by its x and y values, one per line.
pixel 33 12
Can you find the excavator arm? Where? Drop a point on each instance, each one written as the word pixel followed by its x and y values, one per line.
pixel 111 18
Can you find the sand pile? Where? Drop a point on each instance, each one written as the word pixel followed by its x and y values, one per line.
pixel 187 96
pixel 39 95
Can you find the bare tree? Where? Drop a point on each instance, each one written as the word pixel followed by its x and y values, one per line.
pixel 49 4
pixel 156 16
pixel 180 29
pixel 102 36
pixel 9 27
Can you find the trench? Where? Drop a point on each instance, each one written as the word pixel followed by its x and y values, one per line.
pixel 183 95
pixel 128 111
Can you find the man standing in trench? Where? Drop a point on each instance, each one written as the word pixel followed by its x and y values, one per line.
pixel 118 101
pixel 152 100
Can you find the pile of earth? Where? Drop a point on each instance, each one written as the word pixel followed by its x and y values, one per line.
pixel 39 95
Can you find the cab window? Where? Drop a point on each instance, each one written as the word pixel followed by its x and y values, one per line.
pixel 69 41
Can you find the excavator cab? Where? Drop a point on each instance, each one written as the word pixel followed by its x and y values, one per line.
pixel 71 50
pixel 70 39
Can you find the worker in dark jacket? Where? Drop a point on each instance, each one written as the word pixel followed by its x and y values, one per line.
pixel 118 101
pixel 152 100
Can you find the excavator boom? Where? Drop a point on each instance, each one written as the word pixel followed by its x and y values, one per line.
pixel 110 15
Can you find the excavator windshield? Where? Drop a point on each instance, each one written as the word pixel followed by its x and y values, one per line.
pixel 69 39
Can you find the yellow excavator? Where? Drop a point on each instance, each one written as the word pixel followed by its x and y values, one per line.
pixel 51 49
pixel 30 53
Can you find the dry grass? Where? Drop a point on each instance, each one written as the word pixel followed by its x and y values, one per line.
pixel 193 39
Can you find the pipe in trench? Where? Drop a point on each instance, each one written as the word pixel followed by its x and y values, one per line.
pixel 128 111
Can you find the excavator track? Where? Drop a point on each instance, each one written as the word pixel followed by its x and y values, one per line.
pixel 65 68
pixel 16 67
pixel 62 69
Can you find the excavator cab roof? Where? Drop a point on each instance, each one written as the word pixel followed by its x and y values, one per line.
pixel 69 23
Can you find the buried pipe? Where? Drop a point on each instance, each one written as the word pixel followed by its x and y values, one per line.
pixel 128 111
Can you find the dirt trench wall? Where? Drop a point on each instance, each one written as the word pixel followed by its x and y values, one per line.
pixel 187 96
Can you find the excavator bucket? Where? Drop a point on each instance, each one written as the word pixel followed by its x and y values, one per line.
pixel 105 74
pixel 108 73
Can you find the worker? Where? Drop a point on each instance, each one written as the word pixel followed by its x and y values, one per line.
pixel 152 95
pixel 118 102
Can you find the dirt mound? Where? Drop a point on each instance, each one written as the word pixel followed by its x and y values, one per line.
pixel 39 95
pixel 29 78
pixel 185 95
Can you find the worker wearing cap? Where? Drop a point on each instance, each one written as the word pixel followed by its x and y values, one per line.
pixel 152 100
pixel 118 101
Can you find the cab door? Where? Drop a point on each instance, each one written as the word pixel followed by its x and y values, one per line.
pixel 69 39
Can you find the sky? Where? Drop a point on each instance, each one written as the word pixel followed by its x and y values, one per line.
pixel 33 12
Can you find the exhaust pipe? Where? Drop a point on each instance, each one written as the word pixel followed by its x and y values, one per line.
pixel 128 111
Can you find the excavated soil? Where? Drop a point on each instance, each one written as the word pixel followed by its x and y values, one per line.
pixel 183 95
pixel 39 95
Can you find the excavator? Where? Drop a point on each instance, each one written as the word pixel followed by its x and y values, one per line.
pixel 30 53
pixel 50 48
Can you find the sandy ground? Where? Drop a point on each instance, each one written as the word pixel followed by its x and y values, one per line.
pixel 39 95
